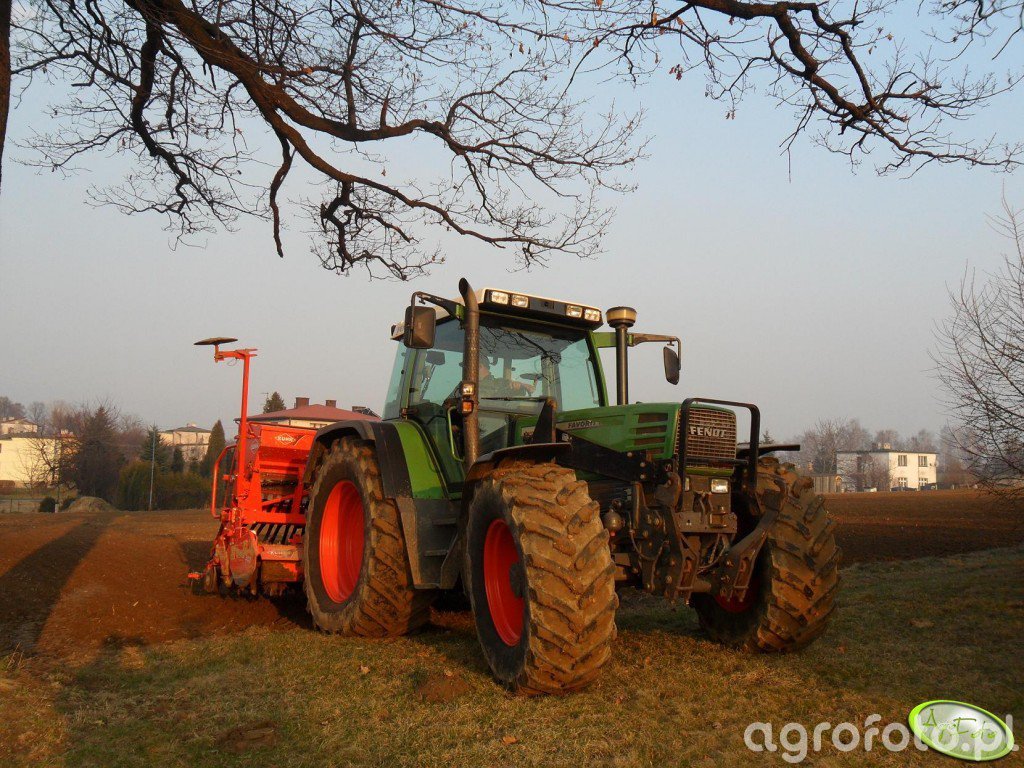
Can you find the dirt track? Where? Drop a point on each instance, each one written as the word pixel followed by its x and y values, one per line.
pixel 72 584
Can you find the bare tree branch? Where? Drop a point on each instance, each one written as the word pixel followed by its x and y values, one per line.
pixel 219 104
pixel 814 57
pixel 192 89
pixel 980 362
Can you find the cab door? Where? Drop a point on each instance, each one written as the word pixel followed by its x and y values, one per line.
pixel 430 402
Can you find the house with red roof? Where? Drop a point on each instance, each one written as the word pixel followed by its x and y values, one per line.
pixel 306 414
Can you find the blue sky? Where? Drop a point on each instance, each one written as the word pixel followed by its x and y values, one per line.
pixel 812 290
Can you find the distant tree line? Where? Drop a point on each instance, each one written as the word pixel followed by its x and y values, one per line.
pixel 100 451
pixel 162 469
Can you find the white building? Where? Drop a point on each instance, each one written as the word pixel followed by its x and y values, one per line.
pixel 29 460
pixel 192 440
pixel 18 427
pixel 884 469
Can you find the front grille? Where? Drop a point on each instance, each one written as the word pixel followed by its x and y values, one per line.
pixel 711 433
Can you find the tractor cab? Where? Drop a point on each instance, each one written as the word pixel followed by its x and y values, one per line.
pixel 527 360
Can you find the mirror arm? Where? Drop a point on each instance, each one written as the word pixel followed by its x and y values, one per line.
pixel 634 339
pixel 451 307
pixel 642 338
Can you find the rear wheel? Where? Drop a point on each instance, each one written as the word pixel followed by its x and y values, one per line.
pixel 357 579
pixel 541 579
pixel 792 590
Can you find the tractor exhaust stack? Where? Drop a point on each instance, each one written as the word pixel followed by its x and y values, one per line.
pixel 471 373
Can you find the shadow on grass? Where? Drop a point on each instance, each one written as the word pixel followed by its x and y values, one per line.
pixel 451 634
pixel 674 697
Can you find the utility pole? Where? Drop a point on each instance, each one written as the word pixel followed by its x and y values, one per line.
pixel 152 468
pixel 56 466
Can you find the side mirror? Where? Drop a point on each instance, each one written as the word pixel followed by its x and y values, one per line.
pixel 671 365
pixel 420 323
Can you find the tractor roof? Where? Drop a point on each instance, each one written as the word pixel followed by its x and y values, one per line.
pixel 512 303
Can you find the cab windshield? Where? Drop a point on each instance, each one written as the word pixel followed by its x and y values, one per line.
pixel 521 364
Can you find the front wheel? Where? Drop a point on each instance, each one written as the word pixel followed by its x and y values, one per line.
pixel 540 578
pixel 793 587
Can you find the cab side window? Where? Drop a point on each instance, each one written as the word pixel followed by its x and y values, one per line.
pixel 393 403
pixel 438 371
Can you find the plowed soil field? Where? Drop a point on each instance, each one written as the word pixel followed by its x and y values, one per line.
pixel 73 584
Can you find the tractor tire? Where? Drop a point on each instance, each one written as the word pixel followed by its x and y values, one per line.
pixel 540 578
pixel 793 588
pixel 357 579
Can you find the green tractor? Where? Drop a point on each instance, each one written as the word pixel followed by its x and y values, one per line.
pixel 500 468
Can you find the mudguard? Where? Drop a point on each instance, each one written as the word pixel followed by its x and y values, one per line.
pixel 428 516
pixel 394 473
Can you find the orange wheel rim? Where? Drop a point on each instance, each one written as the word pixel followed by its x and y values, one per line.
pixel 504 602
pixel 736 605
pixel 341 541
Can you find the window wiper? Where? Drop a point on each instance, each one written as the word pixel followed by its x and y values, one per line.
pixel 532 399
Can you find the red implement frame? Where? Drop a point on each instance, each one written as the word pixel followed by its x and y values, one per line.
pixel 262 517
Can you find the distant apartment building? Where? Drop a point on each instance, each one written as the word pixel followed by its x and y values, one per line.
pixel 18 427
pixel 883 469
pixel 192 440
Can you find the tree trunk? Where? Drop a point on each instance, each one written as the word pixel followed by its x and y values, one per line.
pixel 5 76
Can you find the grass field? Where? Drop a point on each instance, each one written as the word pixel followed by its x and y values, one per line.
pixel 905 632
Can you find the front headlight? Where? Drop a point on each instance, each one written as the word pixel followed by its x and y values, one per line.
pixel 719 486
pixel 573 310
pixel 518 300
pixel 499 297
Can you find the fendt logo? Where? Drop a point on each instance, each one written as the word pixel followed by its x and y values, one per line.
pixel 696 431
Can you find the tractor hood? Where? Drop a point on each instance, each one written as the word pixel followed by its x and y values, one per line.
pixel 637 427
pixel 649 427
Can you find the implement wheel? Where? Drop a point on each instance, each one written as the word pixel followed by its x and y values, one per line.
pixel 540 577
pixel 792 590
pixel 357 579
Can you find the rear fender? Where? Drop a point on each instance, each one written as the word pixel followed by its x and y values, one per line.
pixel 427 516
pixel 394 473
